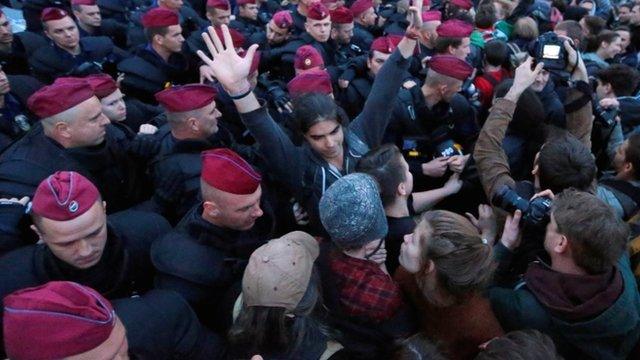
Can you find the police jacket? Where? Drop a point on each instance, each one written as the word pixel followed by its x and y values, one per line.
pixel 247 27
pixel 305 173
pixel 326 50
pixel 361 37
pixel 50 62
pixel 15 61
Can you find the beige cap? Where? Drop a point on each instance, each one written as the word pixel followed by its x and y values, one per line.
pixel 278 272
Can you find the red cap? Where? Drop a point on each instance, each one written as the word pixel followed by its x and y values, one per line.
pixel 329 1
pixel 455 28
pixel 219 4
pixel 236 37
pixel 307 57
pixel 386 44
pixel 283 19
pixel 160 17
pixel 463 4
pixel 58 97
pixel 341 15
pixel 189 97
pixel 55 320
pixel 64 196
pixel 310 81
pixel 103 85
pixel 449 65
pixel 317 11
pixel 360 6
pixel 52 13
pixel 245 2
pixel 431 15
pixel 227 171
pixel 83 2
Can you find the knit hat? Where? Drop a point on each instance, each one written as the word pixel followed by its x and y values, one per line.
pixel 352 212
pixel 279 271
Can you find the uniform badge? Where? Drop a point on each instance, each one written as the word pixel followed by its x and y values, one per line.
pixel 73 206
pixel 307 61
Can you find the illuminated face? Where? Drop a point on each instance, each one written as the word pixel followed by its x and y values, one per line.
pixel 541 81
pixel 89 15
pixel 63 32
pixel 376 61
pixel 6 34
pixel 463 49
pixel 248 11
pixel 625 39
pixel 88 128
pixel 343 33
pixel 368 18
pixel 173 39
pixel 320 30
pixel 326 138
pixel 114 107
pixel 276 35
pixel 219 17
pixel 237 212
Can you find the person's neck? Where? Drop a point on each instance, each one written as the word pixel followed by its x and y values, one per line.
pixel 359 22
pixel 626 176
pixel 357 253
pixel 211 220
pixel 601 54
pixel 88 28
pixel 397 209
pixel 491 68
pixel 566 266
pixel 61 141
pixel 430 96
pixel 75 51
pixel 180 134
pixel 164 53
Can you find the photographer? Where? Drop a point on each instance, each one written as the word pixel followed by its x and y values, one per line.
pixel 616 84
pixel 586 297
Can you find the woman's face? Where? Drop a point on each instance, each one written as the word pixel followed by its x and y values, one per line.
pixel 411 249
pixel 326 138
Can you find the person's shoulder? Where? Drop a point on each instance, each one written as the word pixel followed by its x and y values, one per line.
pixel 17 269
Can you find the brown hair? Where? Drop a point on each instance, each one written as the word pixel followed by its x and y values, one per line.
pixel 463 262
pixel 385 165
pixel 153 31
pixel 526 28
pixel 565 162
pixel 443 43
pixel 596 235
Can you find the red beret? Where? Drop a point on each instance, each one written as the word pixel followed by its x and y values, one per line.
pixel 341 15
pixel 64 196
pixel 386 44
pixel 449 65
pixel 52 13
pixel 360 6
pixel 58 97
pixel 431 15
pixel 307 57
pixel 317 11
pixel 455 29
pixel 236 37
pixel 463 4
pixel 283 19
pixel 219 4
pixel 83 2
pixel 160 17
pixel 103 85
pixel 55 320
pixel 329 1
pixel 227 171
pixel 245 2
pixel 189 97
pixel 310 81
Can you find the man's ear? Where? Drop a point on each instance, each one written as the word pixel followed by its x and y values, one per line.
pixel 62 129
pixel 104 206
pixel 158 39
pixel 37 231
pixel 306 26
pixel 402 189
pixel 430 267
pixel 194 124
pixel 562 246
pixel 209 16
pixel 211 209
pixel 333 33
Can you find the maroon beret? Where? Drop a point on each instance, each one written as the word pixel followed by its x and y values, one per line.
pixel 52 13
pixel 307 57
pixel 64 196
pixel 160 17
pixel 83 2
pixel 189 97
pixel 431 15
pixel 341 15
pixel 103 85
pixel 283 19
pixel 58 97
pixel 455 28
pixel 310 81
pixel 55 321
pixel 317 11
pixel 386 44
pixel 219 4
pixel 245 2
pixel 360 6
pixel 463 4
pixel 451 66
pixel 237 38
pixel 227 171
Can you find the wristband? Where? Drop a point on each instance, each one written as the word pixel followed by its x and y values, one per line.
pixel 242 95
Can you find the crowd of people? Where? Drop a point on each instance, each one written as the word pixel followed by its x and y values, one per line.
pixel 320 179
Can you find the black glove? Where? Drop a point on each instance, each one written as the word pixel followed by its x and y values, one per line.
pixel 144 146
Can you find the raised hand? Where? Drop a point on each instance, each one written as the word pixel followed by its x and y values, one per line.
pixel 524 77
pixel 225 64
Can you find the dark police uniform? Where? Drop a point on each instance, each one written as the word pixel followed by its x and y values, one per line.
pixel 361 36
pixel 248 28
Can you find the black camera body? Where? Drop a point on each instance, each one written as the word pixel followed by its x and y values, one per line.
pixel 535 213
pixel 549 49
pixel 606 116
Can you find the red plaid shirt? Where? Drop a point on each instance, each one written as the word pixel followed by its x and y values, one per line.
pixel 364 289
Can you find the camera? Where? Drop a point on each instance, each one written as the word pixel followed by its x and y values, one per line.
pixel 549 49
pixel 606 116
pixel 535 212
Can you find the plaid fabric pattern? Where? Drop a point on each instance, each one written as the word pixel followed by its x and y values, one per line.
pixel 364 289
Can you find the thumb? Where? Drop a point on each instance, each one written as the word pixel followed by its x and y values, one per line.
pixel 251 51
pixel 538 68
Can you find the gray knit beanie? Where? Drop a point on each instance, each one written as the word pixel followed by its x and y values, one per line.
pixel 352 213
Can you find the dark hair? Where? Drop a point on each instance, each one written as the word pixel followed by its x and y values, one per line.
pixel 596 235
pixel 312 108
pixel 526 117
pixel 496 52
pixel 565 162
pixel 520 345
pixel 149 33
pixel 267 330
pixel 575 13
pixel 485 15
pixel 622 78
pixel 626 5
pixel 385 165
pixel 443 43
pixel 622 28
pixel 632 154
pixel 572 28
pixel 607 36
pixel 417 347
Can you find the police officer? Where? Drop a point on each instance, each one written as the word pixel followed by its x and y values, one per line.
pixel 277 31
pixel 299 15
pixel 13 52
pixel 68 54
pixel 218 12
pixel 80 244
pixel 247 22
pixel 342 34
pixel 15 120
pixel 365 19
